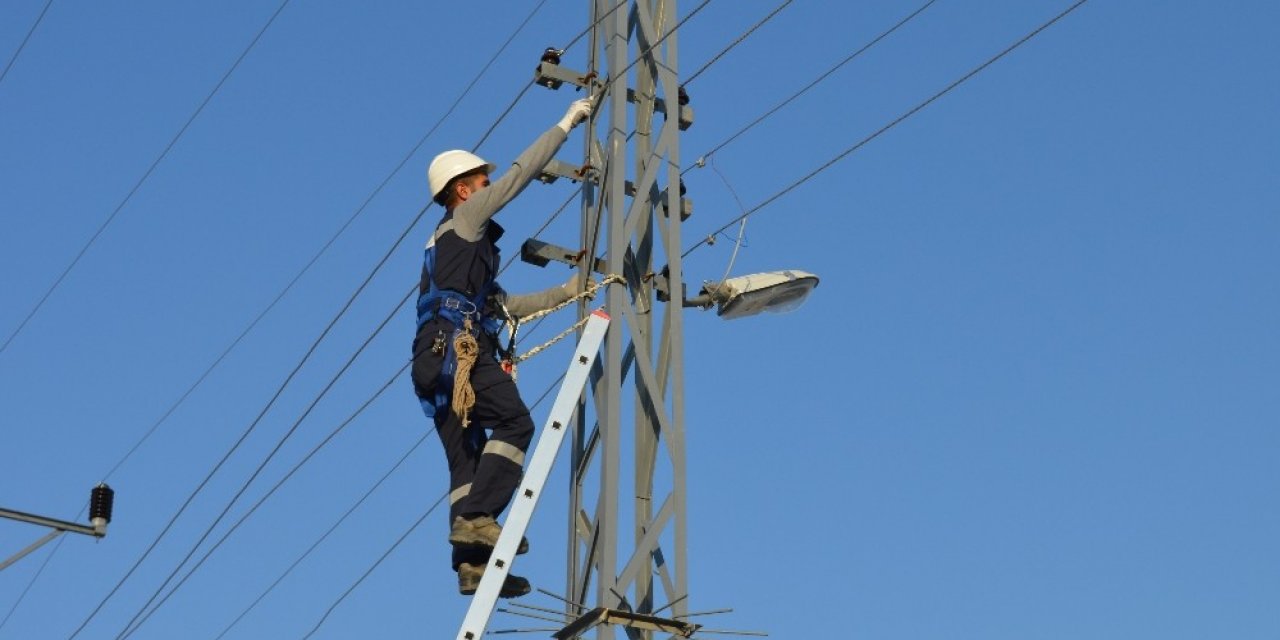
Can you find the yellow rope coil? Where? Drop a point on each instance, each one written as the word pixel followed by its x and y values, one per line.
pixel 466 348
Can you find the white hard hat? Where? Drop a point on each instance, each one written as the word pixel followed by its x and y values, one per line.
pixel 450 165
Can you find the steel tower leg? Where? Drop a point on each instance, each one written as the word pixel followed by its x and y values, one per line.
pixel 634 182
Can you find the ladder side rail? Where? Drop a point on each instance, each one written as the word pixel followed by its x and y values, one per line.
pixel 530 489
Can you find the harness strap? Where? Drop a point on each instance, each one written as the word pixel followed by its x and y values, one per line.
pixel 466 314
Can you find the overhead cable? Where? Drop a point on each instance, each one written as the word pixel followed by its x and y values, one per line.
pixel 330 530
pixel 976 70
pixel 324 333
pixel 594 24
pixel 22 596
pixel 621 74
pixel 376 564
pixel 405 535
pixel 342 312
pixel 812 84
pixel 528 85
pixel 295 468
pixel 407 230
pixel 737 41
pixel 129 628
pixel 364 205
pixel 23 44
pixel 659 41
pixel 147 174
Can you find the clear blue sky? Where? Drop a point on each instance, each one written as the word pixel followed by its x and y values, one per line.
pixel 1037 394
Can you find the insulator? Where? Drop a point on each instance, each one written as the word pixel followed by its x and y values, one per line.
pixel 682 97
pixel 552 55
pixel 682 189
pixel 101 499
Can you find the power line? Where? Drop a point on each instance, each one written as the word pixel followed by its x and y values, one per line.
pixel 21 46
pixel 974 72
pixel 529 85
pixel 714 59
pixel 815 82
pixel 659 41
pixel 594 24
pixel 737 41
pixel 330 530
pixel 236 445
pixel 297 466
pixel 342 312
pixel 562 207
pixel 32 583
pixel 363 206
pixel 402 538
pixel 262 314
pixel 144 177
pixel 279 444
pixel 596 235
pixel 324 333
pixel 704 67
pixel 376 563
pixel 507 111
pixel 892 124
pixel 292 471
pixel 502 116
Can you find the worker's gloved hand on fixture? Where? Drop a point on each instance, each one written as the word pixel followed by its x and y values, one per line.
pixel 578 111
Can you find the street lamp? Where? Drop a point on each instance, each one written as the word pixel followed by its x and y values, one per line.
pixel 774 291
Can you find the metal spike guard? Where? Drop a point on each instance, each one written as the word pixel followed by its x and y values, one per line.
pixel 101 501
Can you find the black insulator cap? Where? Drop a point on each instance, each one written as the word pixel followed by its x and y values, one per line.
pixel 101 499
pixel 682 189
pixel 682 97
pixel 552 55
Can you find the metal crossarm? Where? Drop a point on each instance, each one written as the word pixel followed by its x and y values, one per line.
pixel 535 476
pixel 100 503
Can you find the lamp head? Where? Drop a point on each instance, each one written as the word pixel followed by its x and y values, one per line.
pixel 775 291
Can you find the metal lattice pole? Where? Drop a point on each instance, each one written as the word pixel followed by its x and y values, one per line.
pixel 632 209
pixel 608 567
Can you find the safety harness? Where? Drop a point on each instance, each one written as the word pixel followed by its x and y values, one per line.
pixel 468 315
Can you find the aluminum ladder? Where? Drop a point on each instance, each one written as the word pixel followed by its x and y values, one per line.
pixel 535 476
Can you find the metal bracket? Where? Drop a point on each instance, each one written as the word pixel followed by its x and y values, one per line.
pixel 560 169
pixel 686 204
pixel 686 207
pixel 660 106
pixel 662 287
pixel 553 76
pixel 539 253
pixel 100 515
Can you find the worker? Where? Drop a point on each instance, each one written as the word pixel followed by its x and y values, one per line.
pixel 459 293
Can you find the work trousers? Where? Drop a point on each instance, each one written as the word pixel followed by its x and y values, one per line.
pixel 484 469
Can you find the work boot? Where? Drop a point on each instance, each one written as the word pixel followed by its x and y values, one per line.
pixel 469 580
pixel 480 532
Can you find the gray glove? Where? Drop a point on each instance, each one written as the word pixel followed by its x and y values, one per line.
pixel 572 287
pixel 578 111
